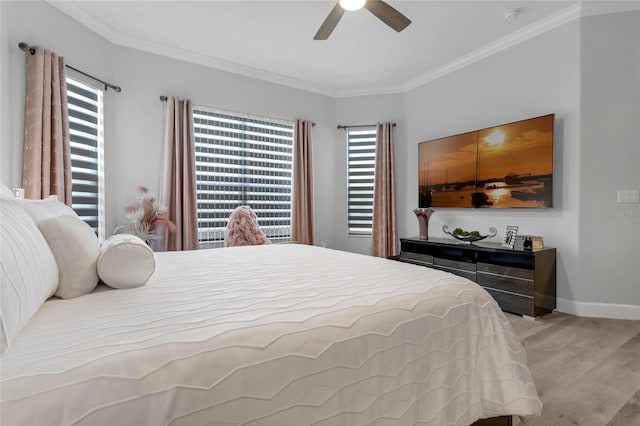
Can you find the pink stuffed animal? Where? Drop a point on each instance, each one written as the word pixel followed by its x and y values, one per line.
pixel 243 229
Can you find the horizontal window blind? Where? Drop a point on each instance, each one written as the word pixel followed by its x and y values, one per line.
pixel 362 161
pixel 242 160
pixel 85 134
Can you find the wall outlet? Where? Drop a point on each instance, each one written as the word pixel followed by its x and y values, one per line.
pixel 629 196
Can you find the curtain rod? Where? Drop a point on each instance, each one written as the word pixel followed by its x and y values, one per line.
pixel 164 98
pixel 26 48
pixel 342 126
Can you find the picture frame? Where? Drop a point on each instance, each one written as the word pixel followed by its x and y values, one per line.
pixel 509 238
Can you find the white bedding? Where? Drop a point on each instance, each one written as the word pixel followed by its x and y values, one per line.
pixel 270 335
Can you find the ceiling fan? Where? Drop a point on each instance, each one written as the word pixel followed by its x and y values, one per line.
pixel 379 8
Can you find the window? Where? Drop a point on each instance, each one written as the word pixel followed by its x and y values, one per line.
pixel 85 133
pixel 362 161
pixel 242 160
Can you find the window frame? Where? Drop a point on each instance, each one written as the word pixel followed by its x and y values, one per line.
pixel 215 237
pixel 77 80
pixel 368 132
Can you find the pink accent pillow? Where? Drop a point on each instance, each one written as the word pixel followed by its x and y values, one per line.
pixel 243 229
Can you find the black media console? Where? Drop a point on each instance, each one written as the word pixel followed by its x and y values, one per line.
pixel 522 282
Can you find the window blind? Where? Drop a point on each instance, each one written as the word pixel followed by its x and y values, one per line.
pixel 85 134
pixel 361 166
pixel 242 160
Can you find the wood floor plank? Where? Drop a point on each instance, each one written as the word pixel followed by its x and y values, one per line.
pixel 597 395
pixel 568 350
pixel 525 327
pixel 586 370
pixel 629 414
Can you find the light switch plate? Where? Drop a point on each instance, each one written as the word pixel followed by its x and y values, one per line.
pixel 629 196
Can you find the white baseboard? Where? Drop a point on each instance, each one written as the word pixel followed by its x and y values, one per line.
pixel 598 310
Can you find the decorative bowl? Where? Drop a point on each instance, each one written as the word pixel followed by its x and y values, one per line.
pixel 469 239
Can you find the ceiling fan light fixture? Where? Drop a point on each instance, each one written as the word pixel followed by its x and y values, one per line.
pixel 380 8
pixel 352 4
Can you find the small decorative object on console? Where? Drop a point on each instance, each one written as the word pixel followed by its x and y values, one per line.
pixel 468 237
pixel 423 216
pixel 528 242
pixel 509 238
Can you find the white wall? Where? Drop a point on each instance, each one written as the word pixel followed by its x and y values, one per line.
pixel 610 148
pixel 134 117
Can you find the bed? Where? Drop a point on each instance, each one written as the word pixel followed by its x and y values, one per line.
pixel 272 335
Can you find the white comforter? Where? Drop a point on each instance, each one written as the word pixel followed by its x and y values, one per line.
pixel 270 335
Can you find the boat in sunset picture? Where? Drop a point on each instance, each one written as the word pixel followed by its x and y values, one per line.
pixel 504 166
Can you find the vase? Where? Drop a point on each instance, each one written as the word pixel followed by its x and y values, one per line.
pixel 423 216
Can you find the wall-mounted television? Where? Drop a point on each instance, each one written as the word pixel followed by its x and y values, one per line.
pixel 505 166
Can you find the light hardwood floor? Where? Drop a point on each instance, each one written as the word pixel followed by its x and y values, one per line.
pixel 586 370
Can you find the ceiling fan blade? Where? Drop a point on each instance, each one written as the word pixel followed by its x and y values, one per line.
pixel 330 23
pixel 388 14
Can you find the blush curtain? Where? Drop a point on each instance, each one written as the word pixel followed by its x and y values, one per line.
pixel 179 177
pixel 384 242
pixel 302 203
pixel 46 166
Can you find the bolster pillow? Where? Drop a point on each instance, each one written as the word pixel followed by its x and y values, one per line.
pixel 125 261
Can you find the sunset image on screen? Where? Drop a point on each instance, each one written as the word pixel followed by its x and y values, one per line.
pixel 525 147
pixel 510 165
pixel 449 160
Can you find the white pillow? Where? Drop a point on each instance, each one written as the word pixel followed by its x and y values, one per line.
pixel 50 207
pixel 125 261
pixel 76 249
pixel 28 270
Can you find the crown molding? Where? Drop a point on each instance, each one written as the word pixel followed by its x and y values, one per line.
pixel 173 52
pixel 98 26
pixel 352 93
pixel 553 21
pixel 590 8
pixel 94 24
pixel 84 18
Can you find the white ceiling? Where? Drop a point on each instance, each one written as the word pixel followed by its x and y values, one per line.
pixel 273 40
